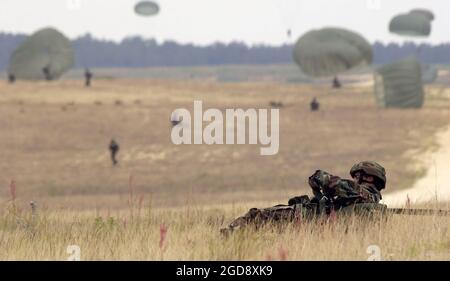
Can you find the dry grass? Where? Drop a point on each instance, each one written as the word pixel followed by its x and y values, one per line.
pixel 55 149
pixel 191 233
pixel 60 158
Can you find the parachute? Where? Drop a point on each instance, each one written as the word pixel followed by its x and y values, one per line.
pixel 399 84
pixel 329 51
pixel 428 14
pixel 429 74
pixel 46 49
pixel 416 24
pixel 146 8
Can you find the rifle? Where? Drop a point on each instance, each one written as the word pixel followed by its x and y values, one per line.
pixel 304 206
pixel 367 207
pixel 418 212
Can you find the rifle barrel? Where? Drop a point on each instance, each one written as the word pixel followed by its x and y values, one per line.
pixel 422 212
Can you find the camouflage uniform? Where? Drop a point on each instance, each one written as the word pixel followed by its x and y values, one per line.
pixel 330 193
pixel 257 217
pixel 341 191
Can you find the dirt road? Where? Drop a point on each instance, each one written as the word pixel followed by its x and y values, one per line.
pixel 436 183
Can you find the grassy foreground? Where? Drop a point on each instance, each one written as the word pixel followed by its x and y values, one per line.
pixel 192 233
pixel 55 152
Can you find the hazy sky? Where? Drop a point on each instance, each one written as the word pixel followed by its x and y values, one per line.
pixel 207 21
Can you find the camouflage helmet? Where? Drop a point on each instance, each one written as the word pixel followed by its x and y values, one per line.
pixel 372 169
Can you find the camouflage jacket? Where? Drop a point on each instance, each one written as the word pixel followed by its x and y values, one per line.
pixel 342 191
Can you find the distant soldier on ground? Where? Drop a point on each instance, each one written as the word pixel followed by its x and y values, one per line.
pixel 331 193
pixel 336 83
pixel 114 149
pixel 47 74
pixel 175 122
pixel 276 104
pixel 88 77
pixel 315 105
pixel 11 78
pixel 175 119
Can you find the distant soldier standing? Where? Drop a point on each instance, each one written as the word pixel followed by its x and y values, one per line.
pixel 88 76
pixel 11 78
pixel 46 71
pixel 114 149
pixel 315 105
pixel 336 83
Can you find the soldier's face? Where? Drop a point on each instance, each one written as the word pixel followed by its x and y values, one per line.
pixel 365 178
pixel 368 179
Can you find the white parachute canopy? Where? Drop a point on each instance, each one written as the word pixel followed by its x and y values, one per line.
pixel 146 8
pixel 46 48
pixel 399 85
pixel 330 51
pixel 414 24
pixel 424 12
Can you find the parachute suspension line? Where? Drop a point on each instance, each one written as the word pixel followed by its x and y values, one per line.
pixel 289 12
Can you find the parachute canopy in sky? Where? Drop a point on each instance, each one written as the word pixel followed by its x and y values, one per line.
pixel 417 24
pixel 427 13
pixel 329 51
pixel 46 48
pixel 399 84
pixel 146 8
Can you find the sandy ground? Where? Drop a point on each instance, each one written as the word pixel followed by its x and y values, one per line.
pixel 435 185
pixel 56 137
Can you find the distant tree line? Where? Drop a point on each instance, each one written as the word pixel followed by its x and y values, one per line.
pixel 138 52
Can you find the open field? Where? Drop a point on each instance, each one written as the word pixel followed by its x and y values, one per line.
pixel 54 147
pixel 192 234
pixel 55 139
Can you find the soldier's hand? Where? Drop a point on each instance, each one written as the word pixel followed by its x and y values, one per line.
pixel 299 200
pixel 314 181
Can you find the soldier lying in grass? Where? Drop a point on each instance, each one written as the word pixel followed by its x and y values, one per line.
pixel 331 193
